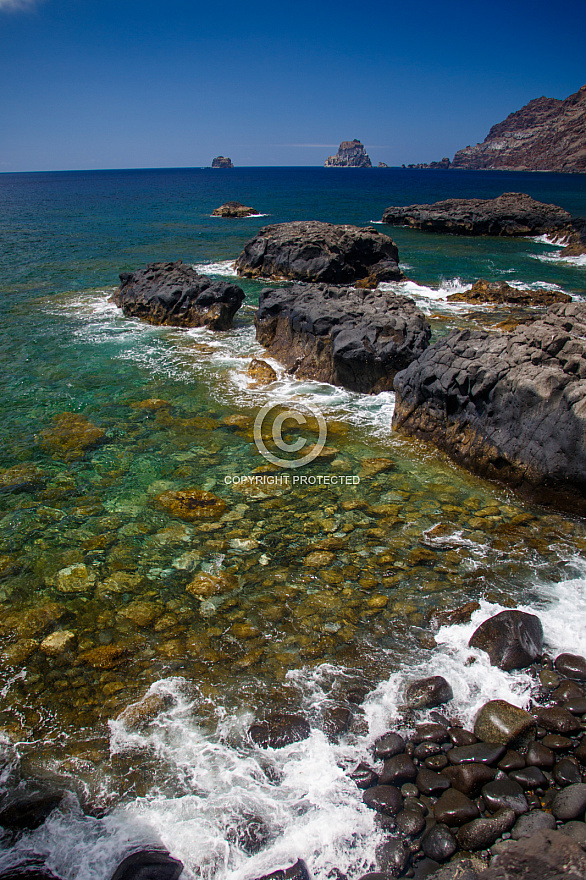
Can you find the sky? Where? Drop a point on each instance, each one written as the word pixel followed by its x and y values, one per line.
pixel 90 84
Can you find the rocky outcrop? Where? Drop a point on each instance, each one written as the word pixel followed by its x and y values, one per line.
pixel 308 250
pixel 222 162
pixel 351 154
pixel 510 214
pixel 175 295
pixel 382 165
pixel 353 338
pixel 547 134
pixel 234 209
pixel 509 406
pixel 576 245
pixel 499 292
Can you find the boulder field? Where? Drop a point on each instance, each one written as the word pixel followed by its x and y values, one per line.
pixel 508 406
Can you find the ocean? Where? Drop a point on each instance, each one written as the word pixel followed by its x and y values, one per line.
pixel 308 593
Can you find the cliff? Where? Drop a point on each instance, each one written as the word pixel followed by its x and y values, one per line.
pixel 546 135
pixel 351 154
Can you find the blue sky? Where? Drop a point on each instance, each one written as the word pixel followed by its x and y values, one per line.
pixel 129 84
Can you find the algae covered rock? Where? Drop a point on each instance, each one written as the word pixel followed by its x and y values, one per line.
pixel 191 504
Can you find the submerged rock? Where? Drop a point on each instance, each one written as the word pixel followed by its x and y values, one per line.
pixel 71 435
pixel 511 214
pixel 191 504
pixel 234 209
pixel 278 730
pixel 512 640
pixel 500 292
pixel 139 714
pixel 149 865
pixel 508 406
pixel 176 295
pixel 261 372
pixel 352 338
pixel 298 871
pixel 21 478
pixel 307 250
pixel 28 812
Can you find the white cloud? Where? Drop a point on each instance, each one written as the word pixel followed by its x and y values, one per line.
pixel 16 5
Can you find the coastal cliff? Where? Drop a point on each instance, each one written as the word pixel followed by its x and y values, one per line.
pixel 351 154
pixel 546 134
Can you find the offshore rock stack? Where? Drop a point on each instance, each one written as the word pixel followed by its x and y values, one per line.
pixel 351 154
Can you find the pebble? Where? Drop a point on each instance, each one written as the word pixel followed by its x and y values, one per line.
pixel 384 799
pixel 576 706
pixel 557 720
pixel 505 793
pixel 461 737
pixel 566 772
pixel 427 693
pixel 426 750
pixel 397 770
pixel 529 823
pixel 571 665
pixel 364 776
pixel 439 843
pixel 478 753
pixel 511 761
pixel 429 782
pixel 436 733
pixel 482 833
pixel 556 742
pixel 570 803
pixel 539 755
pixel 469 778
pixel 393 856
pixel 501 722
pixel 454 808
pixel 568 690
pixel 410 822
pixel 436 762
pixel 529 778
pixel 389 745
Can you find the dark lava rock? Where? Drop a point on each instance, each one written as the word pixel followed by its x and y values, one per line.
pixel 392 856
pixel 324 252
pixel 570 803
pixel 512 640
pixel 461 869
pixel 571 665
pixel 566 772
pixel 538 755
pixel 29 811
pixel 438 843
pixel 499 721
pixel 482 833
pixel 508 406
pixel 436 762
pixel 429 782
pixel 364 776
pixel 234 209
pixel 576 706
pixel 425 868
pixel 389 745
pixel 436 733
pixel 557 719
pixel 148 865
pixel 384 799
pixel 529 823
pixel 575 830
pixel 426 750
pixel 427 693
pixel 336 721
pixel 547 855
pixel 469 778
pixel 410 822
pixel 501 292
pixel 557 742
pixel 175 295
pixel 353 338
pixel 278 730
pixel 478 753
pixel 461 737
pixel 567 690
pixel 511 214
pixel 529 778
pixel 505 793
pixel 511 761
pixel 398 770
pixel 454 808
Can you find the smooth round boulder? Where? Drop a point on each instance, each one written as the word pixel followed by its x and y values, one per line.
pixel 538 755
pixel 571 665
pixel 410 822
pixel 529 778
pixel 501 722
pixel 566 772
pixel 512 639
pixel 364 776
pixel 529 823
pixel 148 865
pixel 393 855
pixel 570 803
pixel 384 799
pixel 397 770
pixel 454 808
pixel 557 720
pixel 512 760
pixel 439 843
pixel 503 793
pixel 432 732
pixel 478 753
pixel 427 693
pixel 469 778
pixel 389 745
pixel 429 782
pixel 482 833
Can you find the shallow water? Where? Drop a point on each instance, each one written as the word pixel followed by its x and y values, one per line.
pixel 319 590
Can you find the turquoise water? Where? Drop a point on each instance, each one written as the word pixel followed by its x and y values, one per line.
pixel 291 590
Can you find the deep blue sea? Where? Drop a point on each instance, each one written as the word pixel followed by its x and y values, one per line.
pixel 296 596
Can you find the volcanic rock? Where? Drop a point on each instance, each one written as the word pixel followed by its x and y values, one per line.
pixel 500 292
pixel 504 793
pixel 384 799
pixel 501 722
pixel 571 665
pixel 547 134
pixel 352 338
pixel 454 808
pixel 149 865
pixel 313 251
pixel 351 154
pixel 512 640
pixel 570 802
pixel 468 778
pixel 439 843
pixel 388 745
pixel 278 730
pixel 509 406
pixel 482 833
pixel 261 372
pixel 176 295
pixel 234 209
pixel 222 162
pixel 427 693
pixel 511 214
pixel 547 855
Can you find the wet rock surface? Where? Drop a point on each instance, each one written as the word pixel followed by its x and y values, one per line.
pixel 510 214
pixel 507 406
pixel 278 730
pixel 148 865
pixel 176 295
pixel 351 338
pixel 499 292
pixel 311 251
